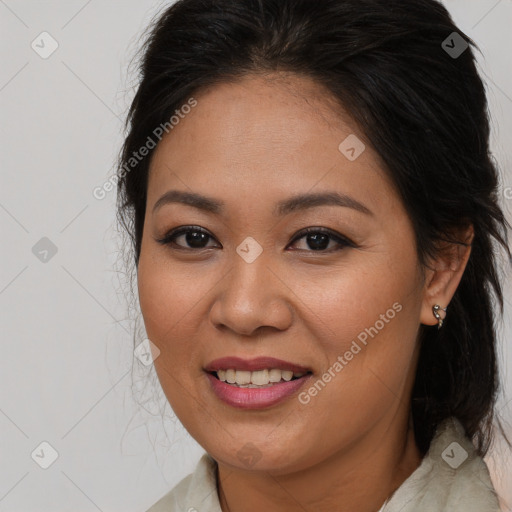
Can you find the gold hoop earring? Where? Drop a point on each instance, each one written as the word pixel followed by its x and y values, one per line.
pixel 435 312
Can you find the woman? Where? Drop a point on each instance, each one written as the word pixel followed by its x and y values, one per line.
pixel 312 205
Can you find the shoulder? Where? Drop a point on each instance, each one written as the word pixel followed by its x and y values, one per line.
pixel 196 492
pixel 452 476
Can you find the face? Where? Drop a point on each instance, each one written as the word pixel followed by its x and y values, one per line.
pixel 240 277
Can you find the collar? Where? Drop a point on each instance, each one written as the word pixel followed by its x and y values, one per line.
pixel 451 476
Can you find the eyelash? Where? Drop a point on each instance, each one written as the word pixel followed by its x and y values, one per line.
pixel 169 238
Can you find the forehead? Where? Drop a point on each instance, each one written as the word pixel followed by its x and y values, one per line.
pixel 270 116
pixel 291 91
pixel 263 136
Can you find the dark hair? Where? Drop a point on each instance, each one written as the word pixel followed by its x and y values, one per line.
pixel 424 111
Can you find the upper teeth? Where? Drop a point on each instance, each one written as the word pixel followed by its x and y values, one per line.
pixel 259 378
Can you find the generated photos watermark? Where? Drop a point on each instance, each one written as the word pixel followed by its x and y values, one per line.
pixel 355 348
pixel 101 192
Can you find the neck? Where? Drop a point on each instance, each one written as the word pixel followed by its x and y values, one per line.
pixel 361 478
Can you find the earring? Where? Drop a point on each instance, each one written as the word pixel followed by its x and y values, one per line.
pixel 435 312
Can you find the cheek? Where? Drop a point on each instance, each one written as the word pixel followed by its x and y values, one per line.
pixel 370 292
pixel 168 297
pixel 167 301
pixel 367 314
pixel 167 290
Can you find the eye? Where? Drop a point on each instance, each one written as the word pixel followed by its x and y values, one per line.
pixel 194 236
pixel 197 238
pixel 318 239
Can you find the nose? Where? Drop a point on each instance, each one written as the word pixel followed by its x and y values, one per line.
pixel 251 297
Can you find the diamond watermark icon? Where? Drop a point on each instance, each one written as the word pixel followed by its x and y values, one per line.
pixel 44 45
pixel 44 250
pixel 454 455
pixel 352 147
pixel 249 249
pixel 454 45
pixel 45 455
pixel 146 352
pixel 249 454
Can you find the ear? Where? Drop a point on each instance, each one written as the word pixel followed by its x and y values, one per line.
pixel 443 274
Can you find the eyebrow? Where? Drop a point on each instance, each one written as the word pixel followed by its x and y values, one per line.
pixel 285 207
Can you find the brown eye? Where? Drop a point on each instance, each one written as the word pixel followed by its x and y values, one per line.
pixel 318 239
pixel 195 238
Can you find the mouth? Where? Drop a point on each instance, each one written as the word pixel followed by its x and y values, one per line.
pixel 256 383
pixel 257 379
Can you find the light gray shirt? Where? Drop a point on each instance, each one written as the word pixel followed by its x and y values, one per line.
pixel 450 478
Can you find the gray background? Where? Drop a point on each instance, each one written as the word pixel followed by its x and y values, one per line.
pixel 67 335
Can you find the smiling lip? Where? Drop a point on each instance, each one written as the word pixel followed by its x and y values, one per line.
pixel 253 365
pixel 255 398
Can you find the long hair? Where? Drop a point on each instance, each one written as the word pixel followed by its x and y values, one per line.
pixel 394 67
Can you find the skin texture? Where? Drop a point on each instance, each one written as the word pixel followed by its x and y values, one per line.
pixel 251 144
